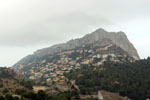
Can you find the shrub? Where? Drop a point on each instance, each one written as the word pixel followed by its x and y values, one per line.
pixel 5 90
pixel 20 91
pixel 1 85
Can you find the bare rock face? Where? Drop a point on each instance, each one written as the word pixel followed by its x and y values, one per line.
pixel 120 39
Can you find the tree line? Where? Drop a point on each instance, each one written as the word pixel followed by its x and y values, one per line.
pixel 128 79
pixel 22 94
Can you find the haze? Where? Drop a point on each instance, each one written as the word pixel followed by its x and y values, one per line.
pixel 28 25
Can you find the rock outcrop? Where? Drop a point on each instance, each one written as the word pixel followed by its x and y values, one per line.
pixel 118 38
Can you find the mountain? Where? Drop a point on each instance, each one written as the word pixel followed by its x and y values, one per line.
pixel 119 39
pixel 48 65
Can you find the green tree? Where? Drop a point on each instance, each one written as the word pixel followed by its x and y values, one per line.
pixel 5 90
pixel 41 95
pixel 20 91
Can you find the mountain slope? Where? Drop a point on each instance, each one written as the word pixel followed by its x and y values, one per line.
pixel 10 81
pixel 119 39
pixel 128 79
pixel 47 66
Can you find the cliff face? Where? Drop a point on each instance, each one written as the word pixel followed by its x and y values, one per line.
pixel 119 39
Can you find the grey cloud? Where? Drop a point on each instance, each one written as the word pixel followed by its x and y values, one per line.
pixel 28 23
pixel 53 29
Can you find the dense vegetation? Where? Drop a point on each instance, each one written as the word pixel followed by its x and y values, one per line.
pixel 10 81
pixel 27 84
pixel 127 79
pixel 41 95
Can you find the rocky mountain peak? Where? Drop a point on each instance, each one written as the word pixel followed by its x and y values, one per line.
pixel 49 64
pixel 101 30
pixel 122 34
pixel 117 38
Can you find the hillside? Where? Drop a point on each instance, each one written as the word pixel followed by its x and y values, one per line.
pixel 49 65
pixel 78 65
pixel 120 39
pixel 10 81
pixel 49 69
pixel 128 79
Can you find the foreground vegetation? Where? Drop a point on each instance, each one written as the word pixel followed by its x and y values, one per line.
pixel 127 79
pixel 10 81
pixel 41 95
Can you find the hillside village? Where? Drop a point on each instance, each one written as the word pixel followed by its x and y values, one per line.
pixel 50 69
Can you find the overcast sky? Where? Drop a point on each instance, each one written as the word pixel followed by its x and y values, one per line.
pixel 28 25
